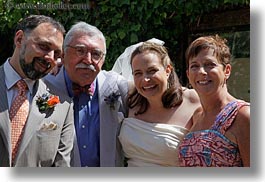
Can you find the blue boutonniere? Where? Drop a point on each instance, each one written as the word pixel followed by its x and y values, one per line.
pixel 112 99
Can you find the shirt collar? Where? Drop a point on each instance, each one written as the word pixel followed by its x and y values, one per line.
pixel 69 84
pixel 11 77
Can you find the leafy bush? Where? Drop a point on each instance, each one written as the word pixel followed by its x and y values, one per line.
pixel 123 22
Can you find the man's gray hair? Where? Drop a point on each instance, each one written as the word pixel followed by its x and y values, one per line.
pixel 83 28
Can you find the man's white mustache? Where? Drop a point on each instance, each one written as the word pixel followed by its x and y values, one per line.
pixel 86 66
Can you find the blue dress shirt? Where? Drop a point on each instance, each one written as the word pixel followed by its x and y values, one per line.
pixel 86 117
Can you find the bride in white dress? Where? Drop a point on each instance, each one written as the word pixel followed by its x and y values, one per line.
pixel 160 110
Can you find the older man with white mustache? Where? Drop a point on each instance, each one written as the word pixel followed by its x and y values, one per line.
pixel 98 96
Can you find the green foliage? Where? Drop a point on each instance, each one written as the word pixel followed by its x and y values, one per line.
pixel 123 22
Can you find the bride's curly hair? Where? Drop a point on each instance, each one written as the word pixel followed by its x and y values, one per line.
pixel 172 96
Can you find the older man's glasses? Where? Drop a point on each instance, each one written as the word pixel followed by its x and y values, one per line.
pixel 81 51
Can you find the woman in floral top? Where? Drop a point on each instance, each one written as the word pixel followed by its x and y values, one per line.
pixel 220 135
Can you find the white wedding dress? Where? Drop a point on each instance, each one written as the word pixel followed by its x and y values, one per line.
pixel 150 144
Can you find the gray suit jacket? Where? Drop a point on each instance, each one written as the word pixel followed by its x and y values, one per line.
pixel 110 148
pixel 40 147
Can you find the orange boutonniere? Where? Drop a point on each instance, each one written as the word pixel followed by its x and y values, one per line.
pixel 47 101
pixel 53 100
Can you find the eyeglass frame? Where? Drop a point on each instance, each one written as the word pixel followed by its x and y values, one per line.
pixel 102 54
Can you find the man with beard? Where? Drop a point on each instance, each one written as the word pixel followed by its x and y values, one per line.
pixel 36 126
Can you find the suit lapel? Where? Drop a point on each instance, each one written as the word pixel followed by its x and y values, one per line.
pixel 108 124
pixel 4 115
pixel 102 86
pixel 34 119
pixel 105 87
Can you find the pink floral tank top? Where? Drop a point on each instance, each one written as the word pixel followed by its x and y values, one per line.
pixel 210 148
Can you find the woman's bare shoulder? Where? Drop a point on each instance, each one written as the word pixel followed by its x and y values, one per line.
pixel 191 95
pixel 131 87
pixel 244 114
